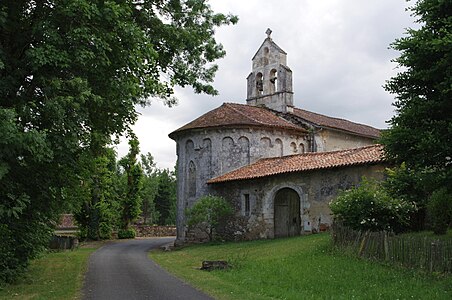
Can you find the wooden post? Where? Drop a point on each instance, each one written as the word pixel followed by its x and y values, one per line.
pixel 386 245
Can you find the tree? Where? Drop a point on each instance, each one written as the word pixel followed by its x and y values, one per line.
pixel 440 211
pixel 207 214
pixel 166 197
pixel 71 73
pixel 420 133
pixel 131 200
pixel 149 190
pixel 98 215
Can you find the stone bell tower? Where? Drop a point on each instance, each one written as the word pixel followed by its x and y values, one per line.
pixel 270 82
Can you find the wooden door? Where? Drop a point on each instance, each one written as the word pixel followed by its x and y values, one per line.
pixel 287 213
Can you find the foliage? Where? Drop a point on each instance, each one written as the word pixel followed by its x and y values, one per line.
pixel 208 213
pixel 410 186
pixel 131 200
pixel 165 199
pixel 369 207
pixel 98 215
pixel 277 269
pixel 128 233
pixel 440 211
pixel 71 73
pixel 420 133
pixel 149 191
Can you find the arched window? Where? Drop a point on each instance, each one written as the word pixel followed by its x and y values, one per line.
pixel 273 77
pixel 293 147
pixel 259 83
pixel 301 148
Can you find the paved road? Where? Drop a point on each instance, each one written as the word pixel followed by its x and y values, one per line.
pixel 122 270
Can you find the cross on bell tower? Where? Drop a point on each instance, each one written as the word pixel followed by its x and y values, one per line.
pixel 270 82
pixel 268 32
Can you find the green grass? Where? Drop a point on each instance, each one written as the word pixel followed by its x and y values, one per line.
pixel 55 275
pixel 298 268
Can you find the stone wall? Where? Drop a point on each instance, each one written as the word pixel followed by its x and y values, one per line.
pixel 315 189
pixel 207 153
pixel 332 140
pixel 154 231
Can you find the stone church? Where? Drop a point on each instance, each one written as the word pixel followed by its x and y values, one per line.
pixel 278 165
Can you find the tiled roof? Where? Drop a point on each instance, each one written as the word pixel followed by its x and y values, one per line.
pixel 232 114
pixel 341 124
pixel 305 162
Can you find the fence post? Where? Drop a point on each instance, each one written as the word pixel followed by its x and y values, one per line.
pixel 363 243
pixel 386 245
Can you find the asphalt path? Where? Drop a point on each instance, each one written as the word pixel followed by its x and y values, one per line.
pixel 122 270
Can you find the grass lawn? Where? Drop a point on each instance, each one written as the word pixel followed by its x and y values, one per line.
pixel 298 268
pixel 55 275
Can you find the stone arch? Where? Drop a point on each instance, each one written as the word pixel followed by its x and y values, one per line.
pixel 191 182
pixel 244 145
pixel 265 145
pixel 273 77
pixel 278 147
pixel 293 148
pixel 206 154
pixel 259 83
pixel 227 148
pixel 189 147
pixel 287 216
pixel 268 202
pixel 301 148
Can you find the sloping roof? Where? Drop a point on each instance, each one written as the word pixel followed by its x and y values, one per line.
pixel 305 162
pixel 336 123
pixel 232 114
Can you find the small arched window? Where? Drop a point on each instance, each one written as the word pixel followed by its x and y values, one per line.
pixel 301 148
pixel 273 77
pixel 293 147
pixel 259 83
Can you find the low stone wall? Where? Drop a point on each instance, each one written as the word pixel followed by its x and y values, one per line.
pixel 63 242
pixel 150 231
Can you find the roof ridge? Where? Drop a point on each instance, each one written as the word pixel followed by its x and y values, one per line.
pixel 336 118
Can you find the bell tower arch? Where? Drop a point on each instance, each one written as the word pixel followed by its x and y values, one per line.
pixel 270 81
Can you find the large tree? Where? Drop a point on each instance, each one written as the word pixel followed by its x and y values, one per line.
pixel 71 73
pixel 420 133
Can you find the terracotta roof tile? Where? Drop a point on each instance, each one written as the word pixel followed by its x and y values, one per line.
pixel 336 123
pixel 305 162
pixel 232 114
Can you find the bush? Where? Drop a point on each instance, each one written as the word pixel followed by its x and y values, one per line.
pixel 369 207
pixel 439 210
pixel 126 233
pixel 207 214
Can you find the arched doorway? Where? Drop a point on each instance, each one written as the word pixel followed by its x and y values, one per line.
pixel 287 213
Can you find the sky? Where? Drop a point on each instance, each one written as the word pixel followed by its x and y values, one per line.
pixel 338 51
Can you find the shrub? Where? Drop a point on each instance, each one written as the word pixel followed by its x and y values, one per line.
pixel 439 210
pixel 126 233
pixel 207 214
pixel 369 207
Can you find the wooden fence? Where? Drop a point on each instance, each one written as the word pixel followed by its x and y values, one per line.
pixel 426 253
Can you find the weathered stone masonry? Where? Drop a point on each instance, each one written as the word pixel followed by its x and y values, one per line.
pixel 236 138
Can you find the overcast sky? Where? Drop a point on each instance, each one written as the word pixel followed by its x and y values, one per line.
pixel 337 50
